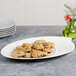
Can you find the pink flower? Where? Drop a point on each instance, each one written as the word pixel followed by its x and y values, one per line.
pixel 68 17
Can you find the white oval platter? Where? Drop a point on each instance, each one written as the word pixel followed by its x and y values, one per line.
pixel 63 45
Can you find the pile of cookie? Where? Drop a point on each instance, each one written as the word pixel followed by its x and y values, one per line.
pixel 39 48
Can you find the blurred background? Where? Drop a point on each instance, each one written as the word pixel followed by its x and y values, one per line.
pixel 33 12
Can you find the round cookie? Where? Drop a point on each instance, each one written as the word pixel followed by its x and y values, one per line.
pixel 40 41
pixel 48 50
pixel 49 45
pixel 38 46
pixel 26 45
pixel 27 49
pixel 17 53
pixel 20 48
pixel 27 55
pixel 37 53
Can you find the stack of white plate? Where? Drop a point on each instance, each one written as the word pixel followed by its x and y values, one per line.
pixel 7 28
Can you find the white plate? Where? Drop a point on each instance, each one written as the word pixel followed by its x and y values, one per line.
pixel 5 35
pixel 5 24
pixel 2 30
pixel 7 32
pixel 63 46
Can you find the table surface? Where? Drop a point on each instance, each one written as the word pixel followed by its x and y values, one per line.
pixel 60 66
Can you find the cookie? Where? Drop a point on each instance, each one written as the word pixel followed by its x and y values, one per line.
pixel 37 53
pixel 20 48
pixel 48 50
pixel 27 49
pixel 17 53
pixel 38 46
pixel 40 41
pixel 26 45
pixel 45 54
pixel 49 45
pixel 27 55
